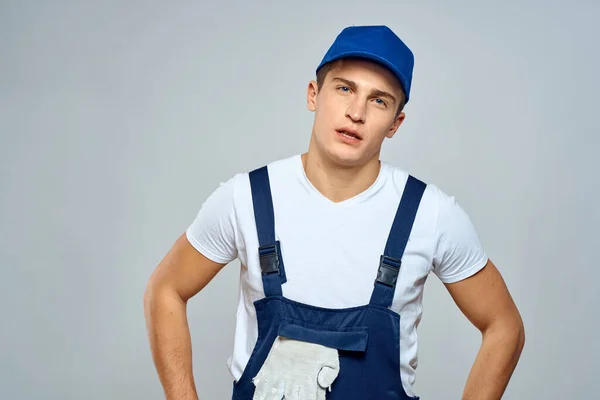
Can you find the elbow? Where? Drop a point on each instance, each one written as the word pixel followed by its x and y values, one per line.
pixel 520 336
pixel 517 328
pixel 149 290
pixel 510 331
pixel 513 331
pixel 148 298
pixel 153 294
pixel 516 337
pixel 160 294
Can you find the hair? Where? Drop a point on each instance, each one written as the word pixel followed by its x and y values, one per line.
pixel 324 70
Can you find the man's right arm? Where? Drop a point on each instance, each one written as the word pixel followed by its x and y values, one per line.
pixel 182 273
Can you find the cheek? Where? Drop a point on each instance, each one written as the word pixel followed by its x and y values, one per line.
pixel 322 123
pixel 327 113
pixel 332 103
pixel 385 124
pixel 379 131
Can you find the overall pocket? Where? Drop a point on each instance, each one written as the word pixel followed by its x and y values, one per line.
pixel 354 339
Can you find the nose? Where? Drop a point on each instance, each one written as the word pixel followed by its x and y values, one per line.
pixel 356 111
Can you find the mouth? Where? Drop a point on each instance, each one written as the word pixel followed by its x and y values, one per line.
pixel 349 133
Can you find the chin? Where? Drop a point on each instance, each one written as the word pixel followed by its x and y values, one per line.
pixel 341 154
pixel 345 157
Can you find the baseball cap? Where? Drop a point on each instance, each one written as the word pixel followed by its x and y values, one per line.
pixel 376 43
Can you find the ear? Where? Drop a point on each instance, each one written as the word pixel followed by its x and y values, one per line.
pixel 311 96
pixel 397 122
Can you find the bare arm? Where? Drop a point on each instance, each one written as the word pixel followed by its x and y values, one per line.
pixel 179 276
pixel 486 302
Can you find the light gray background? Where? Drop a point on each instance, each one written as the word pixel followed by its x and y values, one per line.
pixel 117 119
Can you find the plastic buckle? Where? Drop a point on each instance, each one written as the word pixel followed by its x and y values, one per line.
pixel 387 274
pixel 269 259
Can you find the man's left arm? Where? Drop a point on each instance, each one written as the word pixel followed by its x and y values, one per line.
pixel 485 301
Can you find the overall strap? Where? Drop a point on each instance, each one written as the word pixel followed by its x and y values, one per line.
pixel 391 260
pixel 269 251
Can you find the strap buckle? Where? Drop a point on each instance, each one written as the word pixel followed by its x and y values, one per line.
pixel 269 259
pixel 387 274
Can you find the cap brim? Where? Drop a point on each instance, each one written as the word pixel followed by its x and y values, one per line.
pixel 371 57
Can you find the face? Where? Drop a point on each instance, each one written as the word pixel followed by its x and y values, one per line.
pixel 355 110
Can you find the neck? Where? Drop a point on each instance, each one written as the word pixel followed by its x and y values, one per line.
pixel 338 182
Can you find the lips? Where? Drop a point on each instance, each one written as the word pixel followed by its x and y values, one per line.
pixel 350 133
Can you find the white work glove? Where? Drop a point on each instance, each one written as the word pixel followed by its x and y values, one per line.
pixel 297 370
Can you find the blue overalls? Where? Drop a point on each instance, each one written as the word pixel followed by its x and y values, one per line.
pixel 366 337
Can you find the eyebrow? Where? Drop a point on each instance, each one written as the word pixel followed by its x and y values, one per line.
pixel 376 92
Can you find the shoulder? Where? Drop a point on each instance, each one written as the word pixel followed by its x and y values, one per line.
pixel 285 167
pixel 433 199
pixel 278 170
pixel 274 167
pixel 455 237
pixel 237 188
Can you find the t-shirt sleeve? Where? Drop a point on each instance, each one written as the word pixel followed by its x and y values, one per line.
pixel 458 251
pixel 213 230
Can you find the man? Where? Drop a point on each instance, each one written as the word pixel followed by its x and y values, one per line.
pixel 335 247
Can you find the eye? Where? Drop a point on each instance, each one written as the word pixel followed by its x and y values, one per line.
pixel 344 88
pixel 381 102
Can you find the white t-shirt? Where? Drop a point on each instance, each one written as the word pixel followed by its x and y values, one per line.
pixel 331 250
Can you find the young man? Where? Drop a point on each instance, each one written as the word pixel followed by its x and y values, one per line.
pixel 335 247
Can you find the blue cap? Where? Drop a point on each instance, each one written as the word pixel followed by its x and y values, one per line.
pixel 378 44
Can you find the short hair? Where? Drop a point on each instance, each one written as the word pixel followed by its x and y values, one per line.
pixel 324 70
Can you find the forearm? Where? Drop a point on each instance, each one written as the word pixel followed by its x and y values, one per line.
pixel 170 343
pixel 495 363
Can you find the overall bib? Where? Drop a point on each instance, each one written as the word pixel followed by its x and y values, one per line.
pixel 366 337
